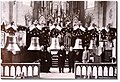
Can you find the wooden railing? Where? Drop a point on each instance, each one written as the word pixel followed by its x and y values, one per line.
pixel 14 70
pixel 96 70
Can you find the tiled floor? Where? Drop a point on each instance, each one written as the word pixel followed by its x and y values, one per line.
pixel 56 75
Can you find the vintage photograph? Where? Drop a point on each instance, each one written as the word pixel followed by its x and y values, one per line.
pixel 58 39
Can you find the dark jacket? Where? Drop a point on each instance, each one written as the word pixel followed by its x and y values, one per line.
pixel 46 61
pixel 61 58
pixel 42 62
pixel 71 58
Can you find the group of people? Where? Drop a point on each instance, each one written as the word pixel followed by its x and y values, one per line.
pixel 46 56
pixel 45 59
pixel 71 58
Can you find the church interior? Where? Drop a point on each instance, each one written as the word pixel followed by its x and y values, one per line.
pixel 28 27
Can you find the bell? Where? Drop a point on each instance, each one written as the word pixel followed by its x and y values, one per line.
pixel 34 45
pixel 12 44
pixel 78 44
pixel 55 44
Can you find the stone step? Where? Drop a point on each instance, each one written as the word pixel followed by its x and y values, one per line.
pixel 55 66
pixel 55 61
pixel 57 75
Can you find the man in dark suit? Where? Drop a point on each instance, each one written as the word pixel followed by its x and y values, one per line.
pixel 48 60
pixel 42 57
pixel 71 59
pixel 61 59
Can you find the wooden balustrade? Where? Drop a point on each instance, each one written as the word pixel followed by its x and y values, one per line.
pixel 15 69
pixel 96 70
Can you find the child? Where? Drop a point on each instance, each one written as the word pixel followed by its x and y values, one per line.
pixel 86 55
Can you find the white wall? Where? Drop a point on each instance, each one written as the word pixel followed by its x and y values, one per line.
pixel 111 6
pixel 4 11
pixel 97 13
pixel 0 11
pixel 21 11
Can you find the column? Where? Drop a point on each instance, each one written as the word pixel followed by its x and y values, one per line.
pixel 104 13
pixel 10 11
pixel 15 12
pixel 1 11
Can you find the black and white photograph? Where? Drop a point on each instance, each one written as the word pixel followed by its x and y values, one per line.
pixel 59 39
